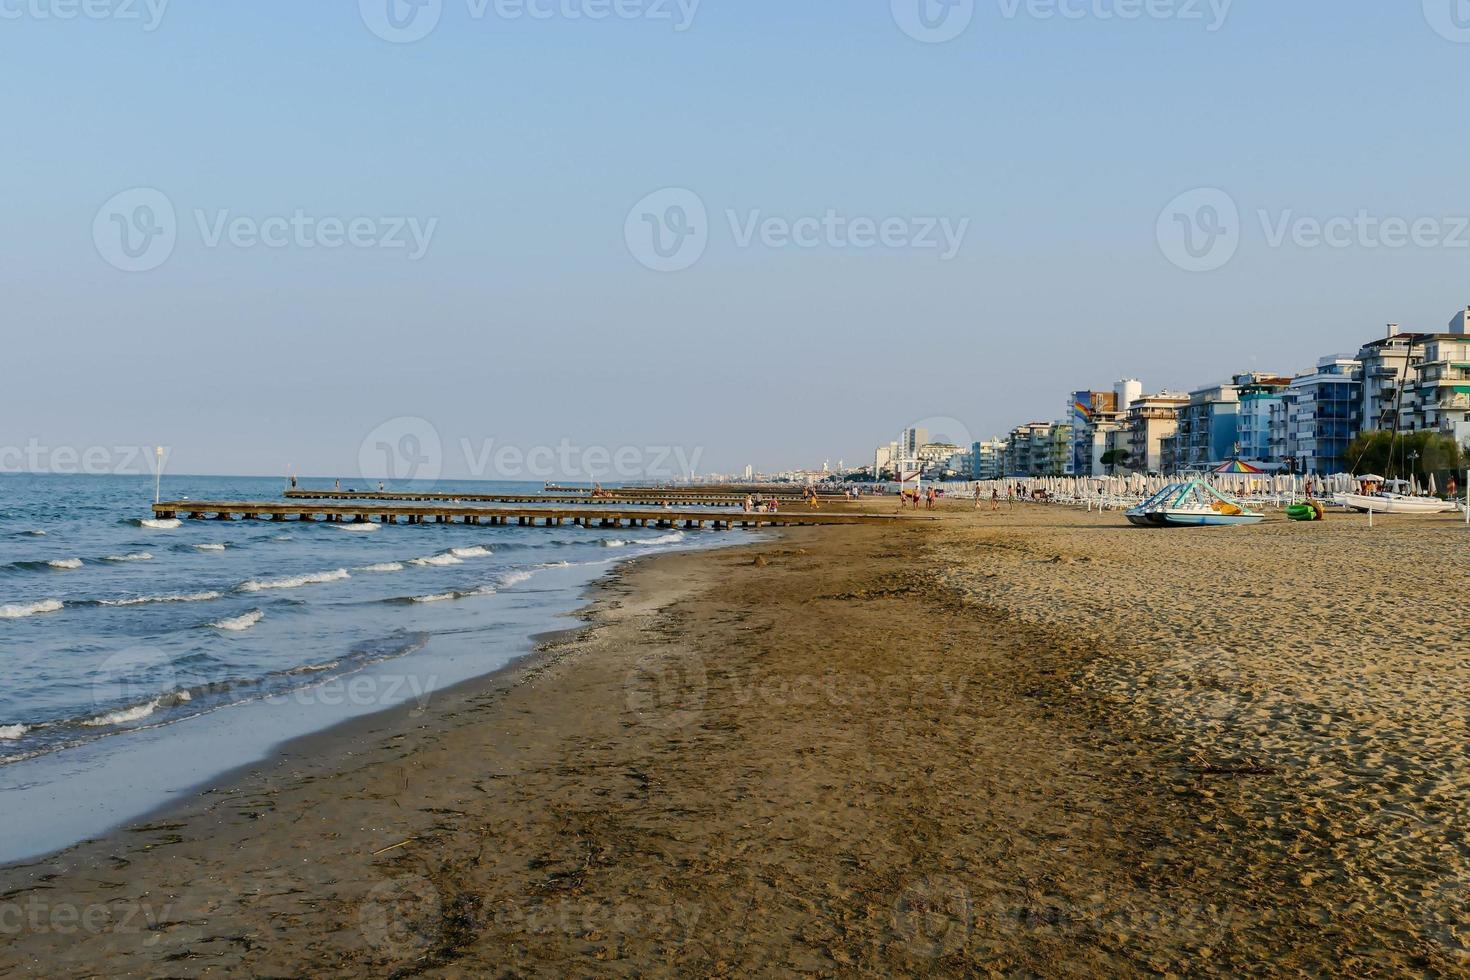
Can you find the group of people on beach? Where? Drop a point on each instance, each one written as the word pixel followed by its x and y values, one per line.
pixel 755 505
pixel 915 498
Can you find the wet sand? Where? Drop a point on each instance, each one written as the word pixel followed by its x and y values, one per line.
pixel 1026 743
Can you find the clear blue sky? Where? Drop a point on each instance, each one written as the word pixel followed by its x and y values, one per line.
pixel 529 320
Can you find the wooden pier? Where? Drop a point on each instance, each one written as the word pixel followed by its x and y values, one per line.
pixel 337 512
pixel 554 499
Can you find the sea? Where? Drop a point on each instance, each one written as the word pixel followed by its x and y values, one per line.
pixel 142 658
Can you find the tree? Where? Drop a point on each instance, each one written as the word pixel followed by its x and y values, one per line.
pixel 1409 453
pixel 1115 458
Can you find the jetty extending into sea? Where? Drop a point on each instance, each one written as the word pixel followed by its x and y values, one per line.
pixel 338 511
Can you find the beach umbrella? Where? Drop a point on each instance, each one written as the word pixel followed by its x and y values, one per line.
pixel 1237 466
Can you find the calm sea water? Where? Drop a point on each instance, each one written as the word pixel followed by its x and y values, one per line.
pixel 114 627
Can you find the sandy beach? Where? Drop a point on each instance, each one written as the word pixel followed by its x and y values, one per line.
pixel 1032 742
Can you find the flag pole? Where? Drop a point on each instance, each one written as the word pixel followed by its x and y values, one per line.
pixel 157 473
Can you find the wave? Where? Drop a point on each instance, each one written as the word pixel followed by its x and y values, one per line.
pixel 241 623
pixel 21 611
pixel 294 581
pixel 387 566
pixel 359 528
pixel 34 534
pixel 672 538
pixel 514 578
pixel 209 547
pixel 145 600
pixel 9 733
pixel 483 590
pixel 138 712
pixel 140 556
pixel 438 560
pixel 65 563
pixel 282 537
pixel 613 543
pixel 161 524
pixel 478 551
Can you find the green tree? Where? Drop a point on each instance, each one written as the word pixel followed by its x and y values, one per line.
pixel 1115 458
pixel 1409 453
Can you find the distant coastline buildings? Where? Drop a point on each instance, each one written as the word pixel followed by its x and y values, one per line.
pixel 1303 423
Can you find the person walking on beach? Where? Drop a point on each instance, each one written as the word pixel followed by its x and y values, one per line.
pixel 977 494
pixel 995 499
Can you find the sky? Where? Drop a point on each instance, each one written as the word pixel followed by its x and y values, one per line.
pixel 330 237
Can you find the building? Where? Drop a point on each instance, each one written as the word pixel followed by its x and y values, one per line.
pixel 987 459
pixel 1096 418
pixel 1441 390
pixel 1038 449
pixel 942 460
pixel 1318 417
pixel 1206 431
pixel 1419 381
pixel 1152 419
pixel 1260 396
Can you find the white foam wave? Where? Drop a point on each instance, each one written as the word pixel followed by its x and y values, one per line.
pixel 358 528
pixel 281 537
pixel 209 547
pixel 672 538
pixel 140 556
pixel 294 581
pixel 65 563
pixel 446 559
pixel 387 566
pixel 514 578
pixel 241 623
pixel 162 524
pixel 478 551
pixel 22 610
pixel 125 715
pixel 34 534
pixel 9 733
pixel 613 543
pixel 437 597
pixel 144 600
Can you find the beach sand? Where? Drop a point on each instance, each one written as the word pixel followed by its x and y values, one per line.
pixel 1034 742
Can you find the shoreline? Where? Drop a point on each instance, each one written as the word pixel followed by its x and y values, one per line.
pixel 1014 743
pixel 520 651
